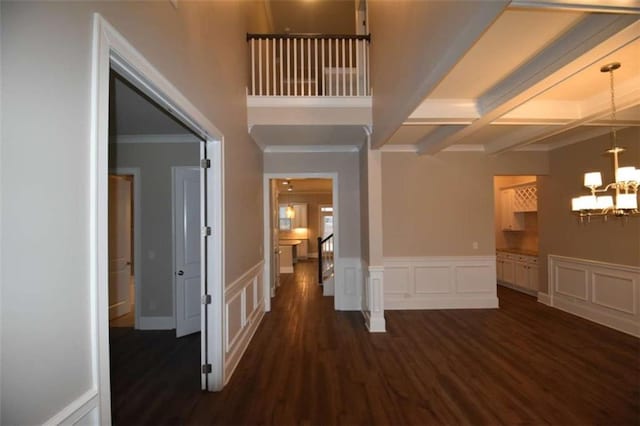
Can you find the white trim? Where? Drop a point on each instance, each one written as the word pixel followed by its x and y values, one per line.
pixel 440 282
pixel 465 148
pixel 309 101
pixel 310 148
pixel 162 138
pixel 574 288
pixel 544 298
pixel 74 412
pixel 243 288
pixel 137 236
pixel 399 148
pixel 577 6
pixel 111 49
pixel 157 323
pixel 373 299
pixel 268 250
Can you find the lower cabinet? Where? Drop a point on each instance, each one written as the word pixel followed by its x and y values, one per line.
pixel 517 271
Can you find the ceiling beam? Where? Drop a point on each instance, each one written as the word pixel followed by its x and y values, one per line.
pixel 434 137
pixel 596 108
pixel 599 6
pixel 593 38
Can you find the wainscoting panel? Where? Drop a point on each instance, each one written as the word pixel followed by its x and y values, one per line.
pixel 348 284
pixel 244 309
pixel 605 293
pixel 437 282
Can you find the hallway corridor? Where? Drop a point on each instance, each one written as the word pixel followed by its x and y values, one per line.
pixel 522 364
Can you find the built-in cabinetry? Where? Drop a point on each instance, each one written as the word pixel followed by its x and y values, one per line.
pixel 515 201
pixel 293 216
pixel 518 271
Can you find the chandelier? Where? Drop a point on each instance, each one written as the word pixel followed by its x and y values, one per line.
pixel 618 198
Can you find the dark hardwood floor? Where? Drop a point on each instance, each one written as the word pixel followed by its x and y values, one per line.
pixel 522 364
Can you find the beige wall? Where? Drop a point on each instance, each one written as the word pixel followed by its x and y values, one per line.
pixel 155 161
pixel 46 84
pixel 440 205
pixel 523 240
pixel 346 166
pixel 313 202
pixel 616 241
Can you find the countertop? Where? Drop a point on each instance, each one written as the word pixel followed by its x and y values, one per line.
pixel 519 251
pixel 289 242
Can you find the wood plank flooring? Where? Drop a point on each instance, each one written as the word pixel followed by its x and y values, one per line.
pixel 522 364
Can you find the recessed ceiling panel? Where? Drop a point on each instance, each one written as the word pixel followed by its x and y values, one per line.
pixel 591 81
pixel 513 39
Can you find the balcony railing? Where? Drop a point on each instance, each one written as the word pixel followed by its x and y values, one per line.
pixel 309 65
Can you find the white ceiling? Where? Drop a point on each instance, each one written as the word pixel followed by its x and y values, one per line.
pixel 308 136
pixel 532 78
pixel 132 113
pixel 305 186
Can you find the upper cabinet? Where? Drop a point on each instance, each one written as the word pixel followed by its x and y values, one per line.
pixel 292 216
pixel 510 219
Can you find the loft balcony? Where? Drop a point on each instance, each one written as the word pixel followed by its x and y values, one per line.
pixel 308 80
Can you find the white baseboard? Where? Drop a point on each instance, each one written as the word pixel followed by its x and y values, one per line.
pixel 156 323
pixel 544 298
pixel 82 411
pixel 440 282
pixel 605 293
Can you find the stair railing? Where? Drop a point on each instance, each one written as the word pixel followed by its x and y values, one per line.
pixel 325 258
pixel 309 65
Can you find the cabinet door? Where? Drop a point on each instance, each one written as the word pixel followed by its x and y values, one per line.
pixel 521 275
pixel 300 216
pixel 302 249
pixel 533 277
pixel 511 221
pixel 508 272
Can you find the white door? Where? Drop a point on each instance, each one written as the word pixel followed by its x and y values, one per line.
pixel 187 235
pixel 120 221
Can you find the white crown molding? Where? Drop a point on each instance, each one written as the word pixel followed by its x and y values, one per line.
pixel 399 148
pixel 163 138
pixel 464 148
pixel 310 148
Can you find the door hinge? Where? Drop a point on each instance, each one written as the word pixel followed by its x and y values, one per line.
pixel 206 231
pixel 206 299
pixel 205 163
pixel 206 368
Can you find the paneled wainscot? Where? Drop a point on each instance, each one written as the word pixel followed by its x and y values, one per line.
pixel 439 282
pixel 605 293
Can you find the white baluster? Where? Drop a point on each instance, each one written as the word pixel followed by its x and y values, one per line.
pixel 253 66
pixel 260 66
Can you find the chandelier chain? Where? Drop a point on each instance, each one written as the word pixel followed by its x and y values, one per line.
pixel 613 110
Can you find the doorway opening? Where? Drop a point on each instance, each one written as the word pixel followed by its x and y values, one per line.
pixel 297 218
pixel 113 53
pixel 516 232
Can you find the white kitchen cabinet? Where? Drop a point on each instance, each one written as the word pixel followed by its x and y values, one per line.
pixel 509 218
pixel 299 216
pixel 302 249
pixel 517 271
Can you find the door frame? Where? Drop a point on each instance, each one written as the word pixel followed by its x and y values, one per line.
pixel 110 50
pixel 137 235
pixel 267 249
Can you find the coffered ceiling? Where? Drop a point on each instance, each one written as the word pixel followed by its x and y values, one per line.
pixel 532 80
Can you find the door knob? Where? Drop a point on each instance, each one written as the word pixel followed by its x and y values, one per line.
pixel 180 272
